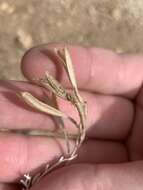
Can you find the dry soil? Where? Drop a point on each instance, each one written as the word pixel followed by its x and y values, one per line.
pixel 114 24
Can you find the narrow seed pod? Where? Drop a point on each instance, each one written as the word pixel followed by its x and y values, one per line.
pixel 70 69
pixel 61 57
pixel 35 103
pixel 65 59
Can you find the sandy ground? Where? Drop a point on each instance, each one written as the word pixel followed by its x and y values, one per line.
pixel 114 24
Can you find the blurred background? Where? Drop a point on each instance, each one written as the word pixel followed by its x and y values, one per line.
pixel 114 24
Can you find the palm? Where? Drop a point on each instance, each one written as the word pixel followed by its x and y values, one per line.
pixel 114 124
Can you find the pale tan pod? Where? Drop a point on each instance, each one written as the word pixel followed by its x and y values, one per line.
pixel 70 69
pixel 35 103
pixel 55 86
pixel 60 55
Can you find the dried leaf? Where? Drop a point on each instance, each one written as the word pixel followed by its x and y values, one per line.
pixel 35 103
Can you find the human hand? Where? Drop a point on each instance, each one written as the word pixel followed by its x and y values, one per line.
pixel 111 157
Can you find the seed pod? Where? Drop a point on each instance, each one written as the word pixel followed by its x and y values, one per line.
pixel 35 103
pixel 70 69
pixel 60 55
pixel 53 85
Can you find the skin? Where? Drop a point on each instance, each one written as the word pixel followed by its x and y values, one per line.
pixel 112 157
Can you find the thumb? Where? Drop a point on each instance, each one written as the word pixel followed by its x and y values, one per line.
pixel 126 176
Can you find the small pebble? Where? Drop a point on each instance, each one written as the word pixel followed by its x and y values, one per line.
pixel 116 14
pixel 119 50
pixel 5 7
pixel 24 39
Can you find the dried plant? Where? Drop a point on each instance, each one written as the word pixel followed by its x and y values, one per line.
pixel 50 83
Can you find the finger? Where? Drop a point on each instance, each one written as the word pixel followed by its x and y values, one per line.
pixel 21 154
pixel 96 151
pixel 108 117
pixel 14 112
pixel 126 176
pixel 135 139
pixel 102 70
pixel 4 186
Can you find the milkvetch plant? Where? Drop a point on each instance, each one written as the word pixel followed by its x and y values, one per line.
pixel 74 97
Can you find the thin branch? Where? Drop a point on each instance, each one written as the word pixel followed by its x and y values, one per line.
pixel 38 133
